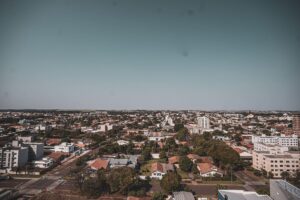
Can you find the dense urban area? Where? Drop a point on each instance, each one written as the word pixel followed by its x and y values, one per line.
pixel 180 155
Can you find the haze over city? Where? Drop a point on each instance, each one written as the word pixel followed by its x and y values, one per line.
pixel 206 55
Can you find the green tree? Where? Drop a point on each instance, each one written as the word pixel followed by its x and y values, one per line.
pixel 162 155
pixel 182 134
pixel 285 175
pixel 146 154
pixel 177 127
pixel 120 179
pixel 185 164
pixel 170 182
pixel 195 169
pixel 158 196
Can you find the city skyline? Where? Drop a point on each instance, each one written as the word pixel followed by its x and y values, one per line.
pixel 191 55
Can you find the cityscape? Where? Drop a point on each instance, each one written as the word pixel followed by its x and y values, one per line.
pixel 56 154
pixel 149 100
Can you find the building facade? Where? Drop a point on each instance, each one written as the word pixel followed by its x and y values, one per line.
pixel 276 163
pixel 296 124
pixel 13 157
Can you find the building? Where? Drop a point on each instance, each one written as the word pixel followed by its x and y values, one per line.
pixel 282 190
pixel 183 196
pixel 64 147
pixel 273 149
pixel 158 170
pixel 203 122
pixel 208 170
pixel 276 163
pixel 282 140
pixel 29 138
pixel 296 124
pixel 45 163
pixel 99 164
pixel 240 195
pixel 13 157
pixel 35 150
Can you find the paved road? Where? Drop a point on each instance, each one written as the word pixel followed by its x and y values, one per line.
pixel 249 180
pixel 51 179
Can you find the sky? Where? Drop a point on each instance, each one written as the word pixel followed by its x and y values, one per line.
pixel 137 54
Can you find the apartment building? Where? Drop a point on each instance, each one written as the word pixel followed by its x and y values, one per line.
pixel 273 149
pixel 203 122
pixel 282 140
pixel 276 163
pixel 11 157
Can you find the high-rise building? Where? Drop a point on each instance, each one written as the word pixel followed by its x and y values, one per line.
pixel 203 122
pixel 11 157
pixel 296 124
pixel 35 150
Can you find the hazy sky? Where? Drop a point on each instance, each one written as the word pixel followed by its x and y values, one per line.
pixel 127 54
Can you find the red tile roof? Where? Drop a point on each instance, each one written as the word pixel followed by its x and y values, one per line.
pixel 99 164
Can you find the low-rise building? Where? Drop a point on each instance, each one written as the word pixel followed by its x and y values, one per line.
pixel 45 163
pixel 208 170
pixel 64 147
pixel 158 170
pixel 240 195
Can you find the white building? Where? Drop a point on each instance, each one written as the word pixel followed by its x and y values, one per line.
pixel 25 138
pixel 122 142
pixel 273 149
pixel 64 147
pixel 203 122
pixel 105 127
pixel 13 157
pixel 287 141
pixel 45 163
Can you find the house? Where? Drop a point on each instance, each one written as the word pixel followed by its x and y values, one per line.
pixel 158 170
pixel 183 196
pixel 194 157
pixel 174 159
pixel 208 170
pixel 99 164
pixel 118 162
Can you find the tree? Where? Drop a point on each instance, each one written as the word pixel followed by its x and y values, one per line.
pixel 195 169
pixel 158 196
pixel 163 155
pixel 285 175
pixel 146 154
pixel 170 182
pixel 270 175
pixel 185 164
pixel 177 127
pixel 120 179
pixel 182 134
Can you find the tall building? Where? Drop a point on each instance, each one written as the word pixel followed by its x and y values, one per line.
pixel 203 122
pixel 35 150
pixel 296 124
pixel 11 157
